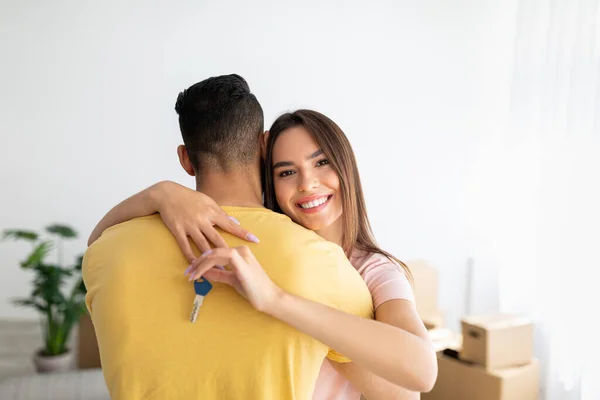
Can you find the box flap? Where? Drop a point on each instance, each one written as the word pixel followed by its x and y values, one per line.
pixel 443 338
pixel 433 321
pixel 496 321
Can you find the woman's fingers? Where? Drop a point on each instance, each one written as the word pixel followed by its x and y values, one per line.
pixel 226 223
pixel 184 245
pixel 213 258
pixel 201 242
pixel 217 275
pixel 220 252
pixel 214 236
pixel 204 263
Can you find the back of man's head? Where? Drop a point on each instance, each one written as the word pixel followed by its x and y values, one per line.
pixel 220 121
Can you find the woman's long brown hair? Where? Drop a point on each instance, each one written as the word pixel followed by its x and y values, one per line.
pixel 356 228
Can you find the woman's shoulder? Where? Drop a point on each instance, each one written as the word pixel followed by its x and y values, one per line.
pixel 385 279
pixel 364 260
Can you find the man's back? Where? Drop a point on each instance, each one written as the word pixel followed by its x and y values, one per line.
pixel 140 303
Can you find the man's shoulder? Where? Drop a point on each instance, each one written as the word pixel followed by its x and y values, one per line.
pixel 141 242
pixel 141 230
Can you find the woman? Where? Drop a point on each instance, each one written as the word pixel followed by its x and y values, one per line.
pixel 312 177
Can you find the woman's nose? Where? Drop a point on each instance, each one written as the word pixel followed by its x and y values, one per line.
pixel 308 183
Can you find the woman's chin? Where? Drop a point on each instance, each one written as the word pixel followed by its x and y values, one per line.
pixel 314 224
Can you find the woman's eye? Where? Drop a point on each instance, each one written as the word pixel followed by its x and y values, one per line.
pixel 322 162
pixel 286 173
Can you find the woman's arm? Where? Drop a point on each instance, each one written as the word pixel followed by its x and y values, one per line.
pixel 373 387
pixel 394 354
pixel 403 358
pixel 186 212
pixel 138 205
pixel 399 313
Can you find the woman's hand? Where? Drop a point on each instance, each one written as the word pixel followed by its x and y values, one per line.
pixel 188 213
pixel 246 275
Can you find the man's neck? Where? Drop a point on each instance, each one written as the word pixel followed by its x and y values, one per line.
pixel 236 188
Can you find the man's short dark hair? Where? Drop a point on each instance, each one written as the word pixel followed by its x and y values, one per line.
pixel 220 121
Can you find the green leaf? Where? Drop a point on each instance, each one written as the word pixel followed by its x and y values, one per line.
pixel 23 302
pixel 63 231
pixel 29 303
pixel 37 255
pixel 20 234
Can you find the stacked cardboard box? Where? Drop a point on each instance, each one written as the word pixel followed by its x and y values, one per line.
pixel 426 286
pixel 444 338
pixel 495 362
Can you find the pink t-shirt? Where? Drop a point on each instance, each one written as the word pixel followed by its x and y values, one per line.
pixel 386 281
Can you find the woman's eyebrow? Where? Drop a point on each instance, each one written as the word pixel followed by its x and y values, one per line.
pixel 291 164
pixel 315 154
pixel 283 164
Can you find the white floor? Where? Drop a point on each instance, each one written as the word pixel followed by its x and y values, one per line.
pixel 18 342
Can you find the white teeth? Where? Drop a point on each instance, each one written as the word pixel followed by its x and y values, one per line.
pixel 314 203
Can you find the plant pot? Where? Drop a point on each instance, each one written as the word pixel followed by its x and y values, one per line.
pixel 60 363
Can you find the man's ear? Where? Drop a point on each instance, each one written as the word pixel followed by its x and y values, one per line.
pixel 184 160
pixel 263 144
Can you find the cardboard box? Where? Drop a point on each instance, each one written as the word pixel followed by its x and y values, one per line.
pixel 433 321
pixel 88 354
pixel 444 338
pixel 497 341
pixel 460 380
pixel 426 286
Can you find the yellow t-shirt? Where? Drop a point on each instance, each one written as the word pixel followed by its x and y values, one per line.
pixel 140 303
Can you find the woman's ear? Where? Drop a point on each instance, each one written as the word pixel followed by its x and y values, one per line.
pixel 263 144
pixel 184 160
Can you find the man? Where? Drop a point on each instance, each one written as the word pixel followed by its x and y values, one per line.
pixel 140 301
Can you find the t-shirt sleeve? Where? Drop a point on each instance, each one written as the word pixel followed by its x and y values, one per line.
pixel 385 279
pixel 352 295
pixel 337 357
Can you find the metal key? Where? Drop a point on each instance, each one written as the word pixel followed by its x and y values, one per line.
pixel 201 287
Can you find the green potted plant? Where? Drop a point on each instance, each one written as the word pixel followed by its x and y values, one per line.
pixel 59 311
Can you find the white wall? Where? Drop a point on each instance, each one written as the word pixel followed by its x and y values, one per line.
pixel 87 92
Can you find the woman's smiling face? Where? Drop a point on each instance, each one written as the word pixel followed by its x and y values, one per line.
pixel 306 186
